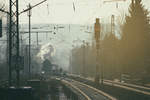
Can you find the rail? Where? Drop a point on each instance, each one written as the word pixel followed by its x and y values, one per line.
pixel 66 82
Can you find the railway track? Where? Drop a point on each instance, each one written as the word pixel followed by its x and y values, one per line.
pixel 121 91
pixel 90 93
pixel 137 87
pixel 131 87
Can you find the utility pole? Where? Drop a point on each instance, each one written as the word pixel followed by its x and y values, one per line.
pixel 7 52
pixel 14 53
pixel 112 24
pixel 29 15
pixel 97 39
pixel 1 33
pixel 14 40
pixel 69 27
pixel 71 58
pixel 71 61
pixel 10 29
pixel 37 38
pixel 86 57
pixel 83 58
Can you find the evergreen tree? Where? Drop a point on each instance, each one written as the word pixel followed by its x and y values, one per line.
pixel 109 56
pixel 135 39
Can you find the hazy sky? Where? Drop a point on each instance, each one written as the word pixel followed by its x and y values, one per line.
pixel 61 11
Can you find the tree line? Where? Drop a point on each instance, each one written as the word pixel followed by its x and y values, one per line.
pixel 129 55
